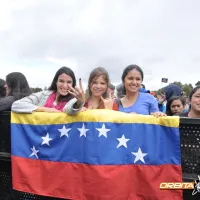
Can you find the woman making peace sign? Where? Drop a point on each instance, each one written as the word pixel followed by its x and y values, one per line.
pixel 58 98
pixel 97 97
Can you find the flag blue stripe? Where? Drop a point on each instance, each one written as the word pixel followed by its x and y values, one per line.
pixel 160 143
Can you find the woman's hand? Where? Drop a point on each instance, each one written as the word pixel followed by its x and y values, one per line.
pixel 45 109
pixel 78 93
pixel 158 114
pixel 161 99
pixel 108 102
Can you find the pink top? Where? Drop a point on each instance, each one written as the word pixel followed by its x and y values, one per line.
pixel 51 102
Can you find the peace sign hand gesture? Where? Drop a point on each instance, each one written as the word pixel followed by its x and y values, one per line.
pixel 108 102
pixel 78 93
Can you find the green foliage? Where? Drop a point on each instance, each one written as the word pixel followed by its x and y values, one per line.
pixel 34 90
pixel 178 83
pixel 158 92
pixel 187 88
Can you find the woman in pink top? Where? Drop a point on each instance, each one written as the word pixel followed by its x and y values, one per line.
pixel 62 96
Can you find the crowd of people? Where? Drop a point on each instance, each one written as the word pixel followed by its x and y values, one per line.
pixel 130 96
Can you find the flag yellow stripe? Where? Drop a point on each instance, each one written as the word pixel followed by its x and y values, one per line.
pixel 101 115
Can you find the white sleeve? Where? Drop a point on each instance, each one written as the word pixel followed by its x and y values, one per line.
pixel 69 107
pixel 28 104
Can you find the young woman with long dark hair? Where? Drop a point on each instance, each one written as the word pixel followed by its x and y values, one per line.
pixel 62 96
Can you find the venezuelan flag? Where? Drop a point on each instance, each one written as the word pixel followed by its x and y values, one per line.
pixel 96 155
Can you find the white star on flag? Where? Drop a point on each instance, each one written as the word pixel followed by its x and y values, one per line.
pixel 46 140
pixel 64 131
pixel 139 155
pixel 122 141
pixel 103 131
pixel 34 152
pixel 83 130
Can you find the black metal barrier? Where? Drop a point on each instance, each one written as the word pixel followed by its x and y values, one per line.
pixel 190 149
pixel 190 153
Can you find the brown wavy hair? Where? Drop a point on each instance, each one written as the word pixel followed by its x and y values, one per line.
pixel 95 73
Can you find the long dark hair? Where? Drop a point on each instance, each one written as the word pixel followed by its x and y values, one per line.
pixel 193 91
pixel 2 88
pixel 53 87
pixel 18 85
pixel 170 101
pixel 95 73
pixel 128 69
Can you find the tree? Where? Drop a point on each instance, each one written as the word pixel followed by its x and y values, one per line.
pixel 178 83
pixel 45 88
pixel 34 90
pixel 187 88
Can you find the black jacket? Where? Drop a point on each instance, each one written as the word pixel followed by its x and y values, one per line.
pixel 6 103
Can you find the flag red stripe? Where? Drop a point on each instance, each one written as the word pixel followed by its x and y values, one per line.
pixel 91 182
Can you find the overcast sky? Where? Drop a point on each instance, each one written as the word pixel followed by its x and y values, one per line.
pixel 37 37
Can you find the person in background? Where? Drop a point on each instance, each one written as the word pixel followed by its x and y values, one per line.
pixel 111 90
pixel 98 95
pixel 183 95
pixel 172 90
pixel 187 105
pixel 120 91
pixel 194 111
pixel 175 105
pixel 162 102
pixel 62 96
pixel 2 88
pixel 186 99
pixel 153 94
pixel 17 87
pixel 166 93
pixel 135 101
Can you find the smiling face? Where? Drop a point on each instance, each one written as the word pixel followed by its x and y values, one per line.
pixel 63 83
pixel 98 86
pixel 133 81
pixel 195 101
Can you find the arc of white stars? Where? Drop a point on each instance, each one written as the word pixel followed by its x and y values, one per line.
pixel 83 130
pixel 103 131
pixel 64 131
pixel 122 141
pixel 46 139
pixel 139 155
pixel 34 152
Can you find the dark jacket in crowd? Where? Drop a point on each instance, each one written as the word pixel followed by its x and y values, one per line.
pixel 6 103
pixel 172 90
